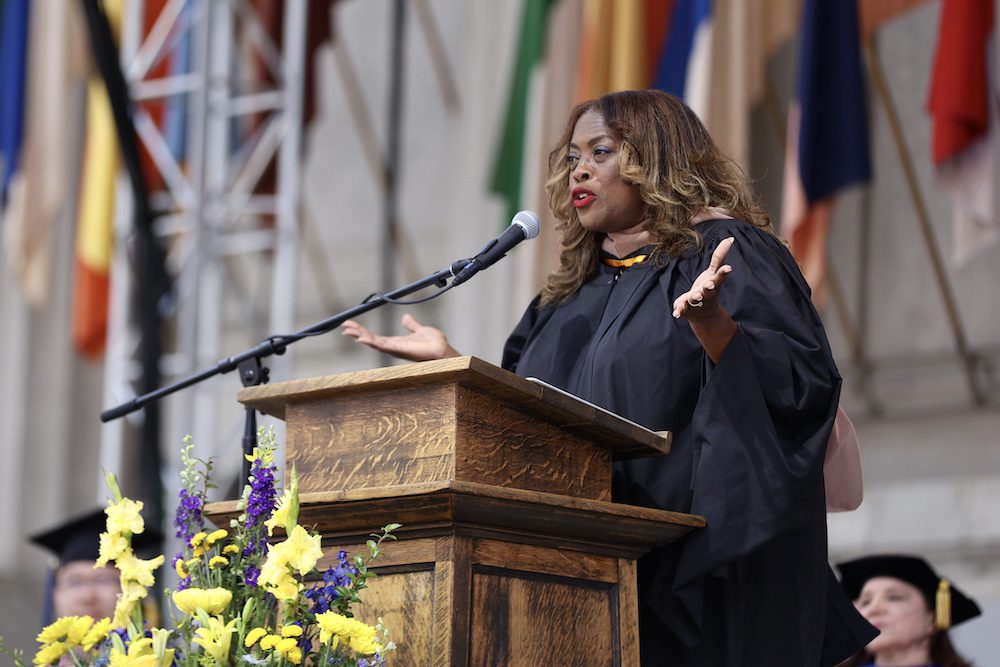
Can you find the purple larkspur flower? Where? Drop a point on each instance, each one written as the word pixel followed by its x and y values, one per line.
pixel 188 518
pixel 251 575
pixel 261 501
pixel 324 596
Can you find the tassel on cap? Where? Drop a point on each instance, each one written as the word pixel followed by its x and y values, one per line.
pixel 942 606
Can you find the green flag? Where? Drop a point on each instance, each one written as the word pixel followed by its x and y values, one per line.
pixel 506 180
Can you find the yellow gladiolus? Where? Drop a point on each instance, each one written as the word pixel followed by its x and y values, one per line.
pixel 131 593
pixel 302 550
pixel 210 600
pixel 124 517
pixel 280 515
pixel 137 569
pixel 112 546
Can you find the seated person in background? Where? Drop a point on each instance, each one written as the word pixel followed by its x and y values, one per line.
pixel 913 608
pixel 77 587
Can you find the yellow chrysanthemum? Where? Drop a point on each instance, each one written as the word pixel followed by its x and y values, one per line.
pixel 215 638
pixel 285 645
pixel 50 653
pixel 253 636
pixel 331 625
pixel 55 631
pixel 211 600
pixel 291 631
pixel 137 569
pixel 78 630
pixel 230 549
pixel 280 515
pixel 112 546
pixel 124 517
pixel 179 568
pixel 365 643
pixel 198 538
pixel 294 656
pixel 269 642
pixel 218 561
pixel 215 536
pixel 68 630
pixel 98 631
pixel 199 551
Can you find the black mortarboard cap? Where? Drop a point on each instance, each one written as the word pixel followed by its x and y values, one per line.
pixel 79 537
pixel 950 605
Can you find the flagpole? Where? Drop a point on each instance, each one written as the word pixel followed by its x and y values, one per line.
pixel 906 160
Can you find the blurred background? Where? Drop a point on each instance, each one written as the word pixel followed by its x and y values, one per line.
pixel 183 178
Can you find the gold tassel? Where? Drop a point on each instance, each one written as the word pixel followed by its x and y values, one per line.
pixel 942 611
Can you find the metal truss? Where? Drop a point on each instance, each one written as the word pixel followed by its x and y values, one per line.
pixel 232 250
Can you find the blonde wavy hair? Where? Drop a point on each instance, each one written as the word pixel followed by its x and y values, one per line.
pixel 668 154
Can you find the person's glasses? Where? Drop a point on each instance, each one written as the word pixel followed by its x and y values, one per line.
pixel 95 580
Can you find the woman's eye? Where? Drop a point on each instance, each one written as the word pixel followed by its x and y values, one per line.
pixel 572 159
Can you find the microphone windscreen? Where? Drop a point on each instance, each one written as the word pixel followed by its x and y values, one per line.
pixel 528 221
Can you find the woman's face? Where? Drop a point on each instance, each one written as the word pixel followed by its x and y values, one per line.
pixel 900 612
pixel 603 201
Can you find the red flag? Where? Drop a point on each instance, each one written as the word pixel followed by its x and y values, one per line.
pixel 964 116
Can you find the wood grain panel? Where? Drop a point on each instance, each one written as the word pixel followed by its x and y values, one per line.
pixel 405 602
pixel 374 439
pixel 586 421
pixel 452 591
pixel 519 621
pixel 628 612
pixel 499 445
pixel 543 560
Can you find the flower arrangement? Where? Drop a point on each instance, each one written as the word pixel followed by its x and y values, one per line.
pixel 241 598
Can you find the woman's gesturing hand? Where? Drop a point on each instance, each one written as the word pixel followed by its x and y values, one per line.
pixel 423 343
pixel 701 301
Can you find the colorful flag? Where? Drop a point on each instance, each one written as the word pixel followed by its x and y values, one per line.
pixel 13 66
pixel 95 221
pixel 40 189
pixel 507 180
pixel 827 147
pixel 963 103
pixel 685 58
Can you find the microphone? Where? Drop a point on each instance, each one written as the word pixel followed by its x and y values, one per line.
pixel 524 226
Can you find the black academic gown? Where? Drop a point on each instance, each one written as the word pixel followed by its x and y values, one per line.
pixel 753 588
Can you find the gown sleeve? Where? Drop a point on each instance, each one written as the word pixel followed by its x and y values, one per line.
pixel 518 338
pixel 765 411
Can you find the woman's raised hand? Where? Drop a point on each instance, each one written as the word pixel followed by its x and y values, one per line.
pixel 700 302
pixel 421 344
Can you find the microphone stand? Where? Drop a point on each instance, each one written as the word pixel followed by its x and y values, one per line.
pixel 253 372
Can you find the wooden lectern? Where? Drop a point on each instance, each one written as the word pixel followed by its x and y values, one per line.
pixel 511 551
